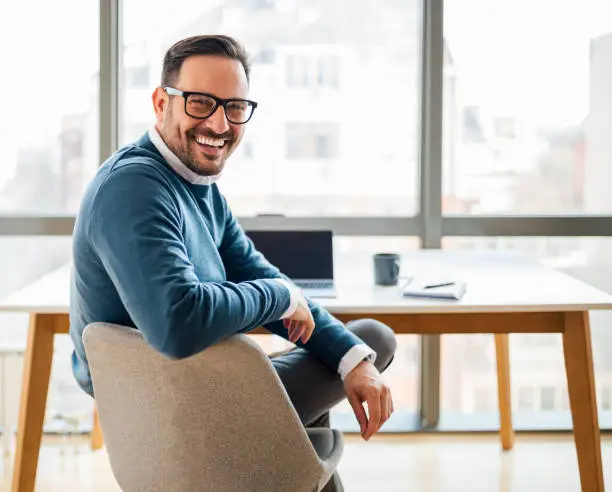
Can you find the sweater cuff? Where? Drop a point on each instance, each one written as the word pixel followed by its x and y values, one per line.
pixel 294 293
pixel 353 357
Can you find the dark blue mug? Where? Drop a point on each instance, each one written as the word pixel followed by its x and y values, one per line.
pixel 386 268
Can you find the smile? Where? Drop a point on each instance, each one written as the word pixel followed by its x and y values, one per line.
pixel 211 142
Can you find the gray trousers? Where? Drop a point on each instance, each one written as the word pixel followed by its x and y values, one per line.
pixel 314 389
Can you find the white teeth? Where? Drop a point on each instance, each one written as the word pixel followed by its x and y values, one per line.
pixel 213 142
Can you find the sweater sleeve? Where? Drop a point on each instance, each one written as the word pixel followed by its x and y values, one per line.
pixel 330 340
pixel 135 228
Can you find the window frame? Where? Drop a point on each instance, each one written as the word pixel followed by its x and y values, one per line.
pixel 430 224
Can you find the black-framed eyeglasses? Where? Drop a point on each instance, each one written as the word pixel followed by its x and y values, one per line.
pixel 201 105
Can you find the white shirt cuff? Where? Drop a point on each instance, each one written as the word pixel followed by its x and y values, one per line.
pixel 353 357
pixel 293 292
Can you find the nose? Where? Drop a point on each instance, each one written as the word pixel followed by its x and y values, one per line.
pixel 217 121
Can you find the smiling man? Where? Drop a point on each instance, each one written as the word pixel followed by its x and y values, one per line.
pixel 156 247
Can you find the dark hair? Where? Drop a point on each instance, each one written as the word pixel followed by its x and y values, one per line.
pixel 215 44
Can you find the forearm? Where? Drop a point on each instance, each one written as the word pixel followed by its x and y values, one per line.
pixel 206 313
pixel 330 340
pixel 179 315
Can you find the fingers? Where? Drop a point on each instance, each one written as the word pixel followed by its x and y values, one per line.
pixel 385 407
pixel 359 412
pixel 364 383
pixel 296 329
pixel 380 408
pixel 309 326
pixel 290 330
pixel 299 329
pixel 374 410
pixel 291 334
pixel 301 324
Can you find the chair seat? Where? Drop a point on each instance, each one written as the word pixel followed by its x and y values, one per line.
pixel 325 441
pixel 328 444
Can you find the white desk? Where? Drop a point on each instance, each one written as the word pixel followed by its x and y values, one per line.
pixel 504 296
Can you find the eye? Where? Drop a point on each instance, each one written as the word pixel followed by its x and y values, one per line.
pixel 237 106
pixel 201 101
pixel 200 105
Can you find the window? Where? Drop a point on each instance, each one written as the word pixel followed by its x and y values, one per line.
pixel 49 125
pixel 527 117
pixel 548 398
pixel 466 386
pixel 68 407
pixel 538 378
pixel 263 56
pixel 606 399
pixel 298 72
pixel 525 399
pixel 248 149
pixel 483 398
pixel 49 141
pixel 313 141
pixel 526 125
pixel 328 72
pixel 137 77
pixel 312 71
pixel 307 68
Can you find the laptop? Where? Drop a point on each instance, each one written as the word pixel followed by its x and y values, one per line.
pixel 306 257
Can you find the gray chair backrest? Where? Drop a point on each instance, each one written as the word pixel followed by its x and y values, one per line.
pixel 218 421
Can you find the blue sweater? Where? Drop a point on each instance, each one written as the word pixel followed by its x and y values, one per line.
pixel 165 256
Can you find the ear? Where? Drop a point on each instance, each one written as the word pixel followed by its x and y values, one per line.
pixel 160 102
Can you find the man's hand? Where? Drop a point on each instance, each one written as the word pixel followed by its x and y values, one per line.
pixel 301 324
pixel 364 383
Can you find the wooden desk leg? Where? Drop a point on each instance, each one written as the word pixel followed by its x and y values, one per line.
pixel 35 385
pixel 503 391
pixel 96 439
pixel 581 385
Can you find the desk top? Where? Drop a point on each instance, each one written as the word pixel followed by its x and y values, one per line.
pixel 496 282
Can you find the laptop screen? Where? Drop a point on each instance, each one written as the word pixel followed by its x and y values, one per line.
pixel 297 254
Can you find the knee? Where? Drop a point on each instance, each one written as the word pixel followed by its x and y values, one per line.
pixel 379 337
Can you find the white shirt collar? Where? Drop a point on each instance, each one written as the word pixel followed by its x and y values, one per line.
pixel 176 164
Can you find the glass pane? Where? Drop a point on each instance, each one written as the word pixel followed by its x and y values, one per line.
pixel 528 107
pixel 321 141
pixel 538 380
pixel 68 407
pixel 49 127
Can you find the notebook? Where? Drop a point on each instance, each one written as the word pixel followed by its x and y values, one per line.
pixel 434 288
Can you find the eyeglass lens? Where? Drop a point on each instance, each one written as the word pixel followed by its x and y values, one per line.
pixel 200 106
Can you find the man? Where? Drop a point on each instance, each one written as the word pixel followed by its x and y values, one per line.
pixel 156 247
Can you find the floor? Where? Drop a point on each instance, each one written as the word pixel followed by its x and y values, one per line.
pixel 415 463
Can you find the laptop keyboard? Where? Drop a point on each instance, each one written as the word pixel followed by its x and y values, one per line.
pixel 315 284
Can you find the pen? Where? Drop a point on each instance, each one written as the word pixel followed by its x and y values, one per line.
pixel 446 284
